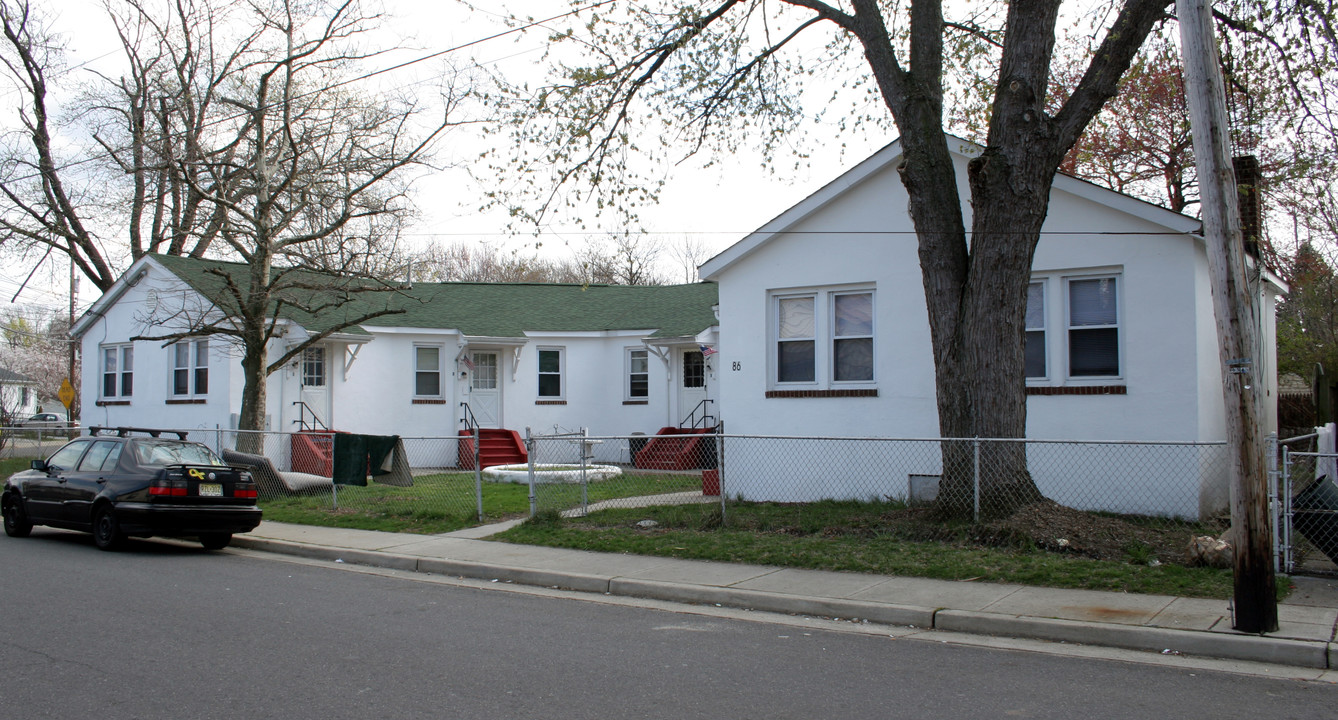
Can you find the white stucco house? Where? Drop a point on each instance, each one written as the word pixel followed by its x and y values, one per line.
pixel 824 331
pixel 18 396
pixel 614 359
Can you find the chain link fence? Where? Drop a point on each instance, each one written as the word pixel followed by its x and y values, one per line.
pixel 1307 509
pixel 1177 482
pixel 1178 486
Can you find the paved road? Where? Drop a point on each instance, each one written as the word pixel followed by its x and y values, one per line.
pixel 171 631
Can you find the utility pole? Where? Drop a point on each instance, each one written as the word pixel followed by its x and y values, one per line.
pixel 1256 608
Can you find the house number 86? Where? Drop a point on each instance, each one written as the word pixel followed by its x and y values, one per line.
pixel 737 366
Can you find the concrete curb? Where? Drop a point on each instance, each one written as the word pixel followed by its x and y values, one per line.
pixel 1228 646
pixel 1214 644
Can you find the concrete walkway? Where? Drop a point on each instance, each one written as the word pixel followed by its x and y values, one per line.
pixel 1155 623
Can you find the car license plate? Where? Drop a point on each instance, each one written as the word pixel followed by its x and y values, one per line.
pixel 211 490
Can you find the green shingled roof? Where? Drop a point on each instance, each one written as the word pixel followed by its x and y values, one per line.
pixel 483 309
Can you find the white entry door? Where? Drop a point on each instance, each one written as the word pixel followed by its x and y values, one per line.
pixel 692 385
pixel 485 392
pixel 316 387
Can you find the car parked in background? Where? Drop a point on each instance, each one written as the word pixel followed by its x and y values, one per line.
pixel 43 420
pixel 132 483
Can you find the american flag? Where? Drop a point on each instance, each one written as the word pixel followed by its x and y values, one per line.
pixel 469 363
pixel 708 351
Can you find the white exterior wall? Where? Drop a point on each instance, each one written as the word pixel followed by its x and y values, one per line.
pixel 856 232
pixel 149 404
pixel 375 395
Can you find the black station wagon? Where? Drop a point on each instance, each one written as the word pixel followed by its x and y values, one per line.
pixel 133 483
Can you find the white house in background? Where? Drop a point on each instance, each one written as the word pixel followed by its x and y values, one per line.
pixel 614 359
pixel 18 396
pixel 824 331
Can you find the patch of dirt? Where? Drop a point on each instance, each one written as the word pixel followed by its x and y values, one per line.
pixel 1050 526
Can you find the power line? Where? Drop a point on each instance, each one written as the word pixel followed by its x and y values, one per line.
pixel 103 155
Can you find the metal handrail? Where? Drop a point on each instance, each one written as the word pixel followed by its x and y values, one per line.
pixel 691 421
pixel 469 420
pixel 301 420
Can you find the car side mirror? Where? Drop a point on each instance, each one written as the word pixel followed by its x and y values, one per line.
pixel 39 465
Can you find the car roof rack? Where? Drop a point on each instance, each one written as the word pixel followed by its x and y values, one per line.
pixel 125 431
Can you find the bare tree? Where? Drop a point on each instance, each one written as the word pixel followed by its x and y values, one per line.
pixel 299 175
pixel 620 259
pixel 690 251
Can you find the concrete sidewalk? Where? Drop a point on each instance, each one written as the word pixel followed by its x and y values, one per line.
pixel 1156 623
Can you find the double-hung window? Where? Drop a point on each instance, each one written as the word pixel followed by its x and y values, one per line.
pixel 118 371
pixel 1037 367
pixel 823 339
pixel 427 371
pixel 190 368
pixel 1084 313
pixel 1094 328
pixel 796 343
pixel 550 373
pixel 852 337
pixel 638 374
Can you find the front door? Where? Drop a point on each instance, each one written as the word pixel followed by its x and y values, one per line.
pixel 316 387
pixel 485 392
pixel 692 386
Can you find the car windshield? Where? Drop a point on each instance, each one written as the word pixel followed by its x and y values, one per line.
pixel 173 452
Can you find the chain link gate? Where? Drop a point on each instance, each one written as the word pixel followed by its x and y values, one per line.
pixel 1306 511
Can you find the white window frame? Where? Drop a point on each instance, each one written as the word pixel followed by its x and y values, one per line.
pixel 193 367
pixel 309 361
pixel 120 374
pixel 629 373
pixel 776 340
pixel 1043 329
pixel 561 373
pixel 871 337
pixel 824 337
pixel 438 371
pixel 1057 313
pixel 1117 326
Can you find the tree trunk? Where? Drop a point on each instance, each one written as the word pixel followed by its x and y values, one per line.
pixel 252 417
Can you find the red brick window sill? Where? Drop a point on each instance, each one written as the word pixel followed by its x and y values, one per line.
pixel 1078 390
pixel 848 393
pixel 550 402
pixel 429 401
pixel 185 401
pixel 108 403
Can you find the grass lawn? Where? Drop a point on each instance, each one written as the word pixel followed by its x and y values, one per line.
pixel 444 502
pixel 9 466
pixel 854 537
pixel 847 537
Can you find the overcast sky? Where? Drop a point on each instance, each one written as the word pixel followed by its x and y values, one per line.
pixel 717 205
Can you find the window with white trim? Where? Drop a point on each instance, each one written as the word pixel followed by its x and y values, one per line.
pixel 1073 329
pixel 852 337
pixel 118 371
pixel 1037 347
pixel 796 339
pixel 1094 327
pixel 190 368
pixel 637 386
pixel 427 371
pixel 550 373
pixel 313 366
pixel 823 339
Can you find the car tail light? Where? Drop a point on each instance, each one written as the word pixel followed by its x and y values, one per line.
pixel 167 489
pixel 169 486
pixel 245 487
